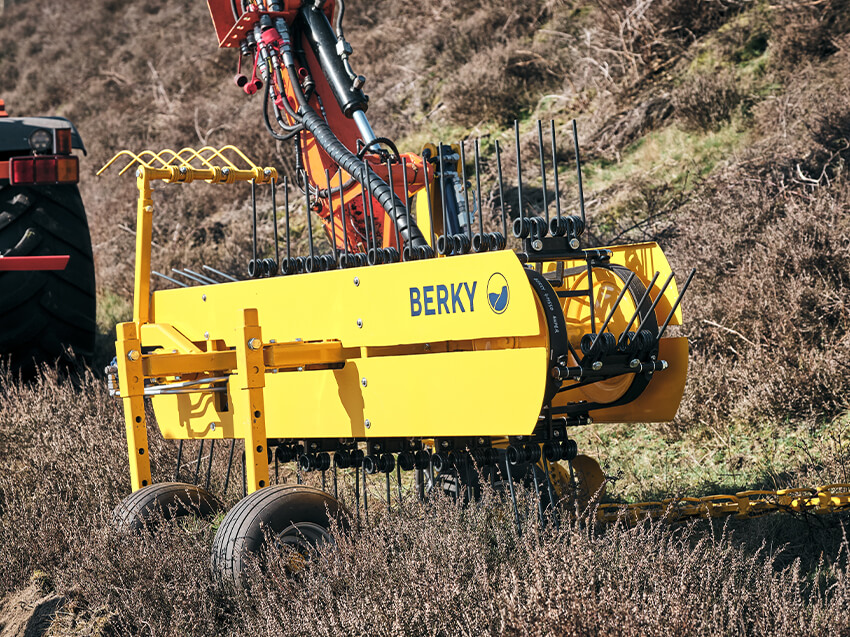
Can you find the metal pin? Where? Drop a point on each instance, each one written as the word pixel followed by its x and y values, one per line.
pixel 179 458
pixel 555 168
pixel 198 462
pixel 331 214
pixel 219 273
pixel 465 195
pixel 229 465
pixel 430 205
pixel 274 220
pixel 590 296
pixel 478 193
pixel 392 188
pixel 513 495
pixel 168 278
pixel 209 465
pixel 676 304
pixel 406 202
pixel 188 276
pixel 344 220
pixel 637 308
pixel 613 309
pixel 200 276
pixel 501 190
pixel 578 171
pixel 542 169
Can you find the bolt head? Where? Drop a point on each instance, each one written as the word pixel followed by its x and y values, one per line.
pixel 364 382
pixel 203 297
pixel 574 243
pixel 225 171
pixel 207 335
pixel 267 172
pixel 357 280
pixel 597 365
pixel 537 244
pixel 133 355
pixel 634 363
pixel 255 343
pixel 368 423
pixel 359 322
pixel 212 426
pixel 139 173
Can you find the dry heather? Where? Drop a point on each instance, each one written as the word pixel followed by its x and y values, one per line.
pixel 435 569
pixel 720 128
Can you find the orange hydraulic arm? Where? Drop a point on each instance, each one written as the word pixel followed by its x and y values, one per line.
pixel 356 182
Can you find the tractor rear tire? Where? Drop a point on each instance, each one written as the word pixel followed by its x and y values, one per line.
pixel 46 316
pixel 295 517
pixel 163 501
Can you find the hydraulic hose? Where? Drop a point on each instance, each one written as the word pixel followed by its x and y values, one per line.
pixel 359 169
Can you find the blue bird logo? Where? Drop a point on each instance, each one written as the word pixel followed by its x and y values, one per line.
pixel 498 293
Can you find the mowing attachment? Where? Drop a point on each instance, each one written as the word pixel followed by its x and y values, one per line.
pixel 439 336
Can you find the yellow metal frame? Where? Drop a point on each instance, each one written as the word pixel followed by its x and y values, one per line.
pixel 355 353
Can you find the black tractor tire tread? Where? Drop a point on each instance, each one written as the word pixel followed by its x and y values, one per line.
pixel 42 314
pixel 172 499
pixel 241 533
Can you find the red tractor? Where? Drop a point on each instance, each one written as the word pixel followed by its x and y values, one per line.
pixel 47 293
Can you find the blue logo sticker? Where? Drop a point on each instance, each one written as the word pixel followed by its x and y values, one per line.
pixel 498 293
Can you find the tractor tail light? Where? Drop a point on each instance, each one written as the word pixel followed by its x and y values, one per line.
pixel 44 170
pixel 62 141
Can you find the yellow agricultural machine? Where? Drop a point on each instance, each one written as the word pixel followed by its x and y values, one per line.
pixel 419 344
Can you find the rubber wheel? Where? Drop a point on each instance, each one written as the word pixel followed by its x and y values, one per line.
pixel 297 516
pixel 47 316
pixel 163 501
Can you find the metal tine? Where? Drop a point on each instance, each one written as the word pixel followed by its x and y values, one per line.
pixel 389 507
pixel 398 480
pixel 336 486
pixel 513 495
pixel 219 273
pixel 229 465
pixel 637 308
pixel 430 203
pixel 443 198
pixel 309 225
pixel 551 492
pixel 244 475
pixel 613 309
pixel 406 204
pixel 188 276
pixel 501 190
pixel 344 220
pixel 465 195
pixel 578 171
pixel 371 224
pixel 392 188
pixel 288 231
pixel 331 214
pixel 676 304
pixel 179 458
pixel 274 221
pixel 518 173
pixel 324 480
pixel 659 297
pixel 206 279
pixel 542 169
pixel 209 465
pixel 168 278
pixel 555 168
pixel 254 217
pixel 537 494
pixel 357 491
pixel 198 462
pixel 478 193
pixel 365 495
pixel 276 470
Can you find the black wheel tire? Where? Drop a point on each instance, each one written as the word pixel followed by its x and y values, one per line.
pixel 163 500
pixel 47 316
pixel 297 515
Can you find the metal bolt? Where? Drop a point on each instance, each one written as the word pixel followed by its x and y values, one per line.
pixel 359 322
pixel 207 335
pixel 357 280
pixel 133 355
pixel 574 243
pixel 634 363
pixel 300 369
pixel 427 347
pixel 255 343
pixel 182 170
pixel 271 340
pixel 589 420
pixel 597 365
pixel 267 172
pixel 537 244
pixel 364 382
pixel 212 426
pixel 139 173
pixel 225 171
pixel 368 423
pixel 203 297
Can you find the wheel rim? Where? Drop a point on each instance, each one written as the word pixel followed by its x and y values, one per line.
pixel 298 540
